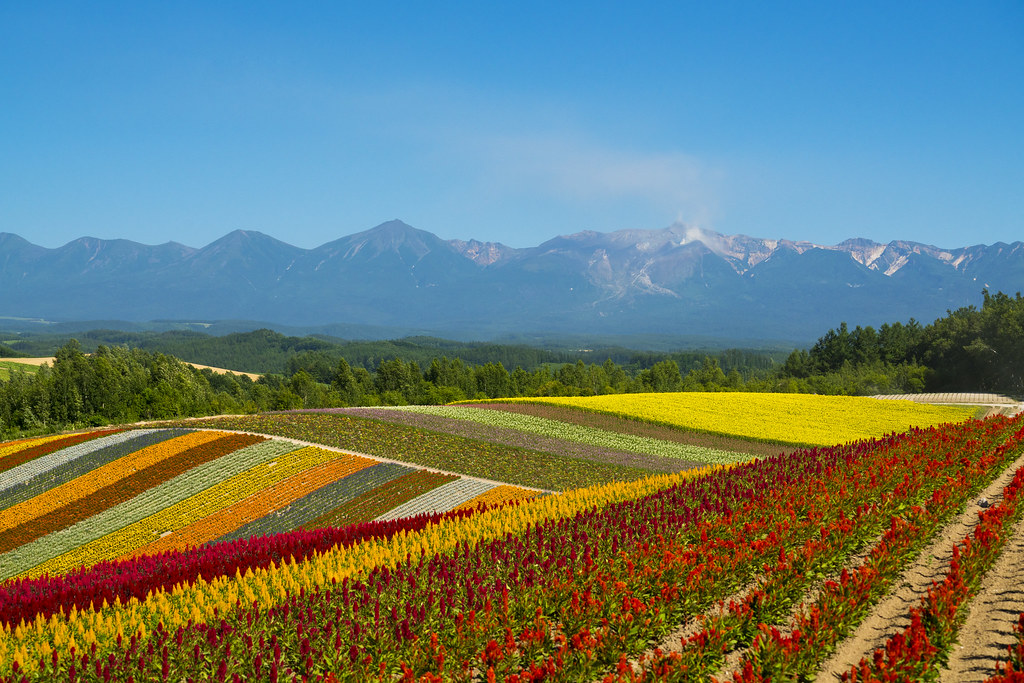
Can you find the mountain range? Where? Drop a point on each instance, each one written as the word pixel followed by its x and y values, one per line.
pixel 679 280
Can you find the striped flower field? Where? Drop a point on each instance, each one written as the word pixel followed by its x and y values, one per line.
pixel 272 549
pixel 76 501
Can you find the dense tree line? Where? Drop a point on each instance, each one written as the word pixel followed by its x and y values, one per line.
pixel 8 352
pixel 265 351
pixel 970 349
pixel 117 384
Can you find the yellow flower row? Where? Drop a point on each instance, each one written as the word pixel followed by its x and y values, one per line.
pixel 804 419
pixel 108 474
pixel 12 447
pixel 220 495
pixel 499 494
pixel 197 601
pixel 261 503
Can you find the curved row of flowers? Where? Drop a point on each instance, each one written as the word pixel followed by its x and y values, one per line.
pixel 10 447
pixel 166 489
pixel 307 511
pixel 566 586
pixel 29 449
pixel 258 505
pixel 111 473
pixel 68 540
pixel 184 458
pixel 582 434
pixel 216 493
pixel 18 476
pixel 800 419
pixel 80 461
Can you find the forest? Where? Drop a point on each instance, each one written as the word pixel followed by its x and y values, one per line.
pixel 970 349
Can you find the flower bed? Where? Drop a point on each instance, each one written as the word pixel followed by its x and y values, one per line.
pixel 566 586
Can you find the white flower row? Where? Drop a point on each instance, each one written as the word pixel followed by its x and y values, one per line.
pixel 113 519
pixel 321 501
pixel 442 499
pixel 33 468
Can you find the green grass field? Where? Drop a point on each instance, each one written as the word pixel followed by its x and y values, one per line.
pixel 8 366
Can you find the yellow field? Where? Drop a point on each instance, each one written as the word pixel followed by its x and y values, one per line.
pixel 784 418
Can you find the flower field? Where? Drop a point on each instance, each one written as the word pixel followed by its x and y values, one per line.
pixel 499 461
pixel 588 435
pixel 303 563
pixel 800 419
pixel 112 495
pixel 520 439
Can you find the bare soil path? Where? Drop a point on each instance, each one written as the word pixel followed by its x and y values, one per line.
pixel 991 616
pixel 891 615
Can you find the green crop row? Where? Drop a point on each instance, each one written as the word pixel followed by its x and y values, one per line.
pixel 434 450
pixel 582 434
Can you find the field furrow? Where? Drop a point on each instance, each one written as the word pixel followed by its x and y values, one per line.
pixel 989 628
pixel 520 439
pixel 892 612
pixel 571 432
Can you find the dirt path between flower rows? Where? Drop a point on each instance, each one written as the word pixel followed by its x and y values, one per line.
pixel 991 616
pixel 891 614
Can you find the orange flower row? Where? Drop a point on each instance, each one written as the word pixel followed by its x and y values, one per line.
pixel 254 507
pixel 497 496
pixel 19 452
pixel 111 473
pixel 123 490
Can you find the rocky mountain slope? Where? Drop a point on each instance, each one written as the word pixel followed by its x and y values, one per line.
pixel 677 280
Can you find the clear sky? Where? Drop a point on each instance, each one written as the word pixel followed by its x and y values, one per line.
pixel 513 122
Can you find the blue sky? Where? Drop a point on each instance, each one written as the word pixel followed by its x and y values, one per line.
pixel 512 122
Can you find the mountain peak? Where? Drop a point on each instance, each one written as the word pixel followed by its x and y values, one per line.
pixel 483 253
pixel 391 236
pixel 679 279
pixel 242 237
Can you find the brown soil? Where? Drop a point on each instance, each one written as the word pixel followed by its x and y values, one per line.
pixel 891 615
pixel 988 629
